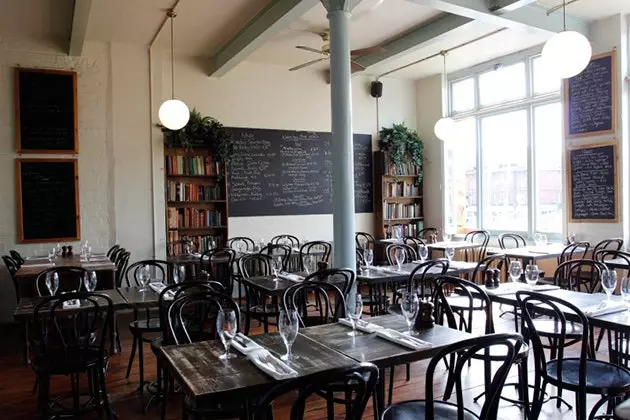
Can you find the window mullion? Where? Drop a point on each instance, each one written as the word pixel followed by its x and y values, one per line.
pixel 532 201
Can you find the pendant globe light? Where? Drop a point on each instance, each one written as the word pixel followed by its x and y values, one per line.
pixel 567 53
pixel 173 113
pixel 444 128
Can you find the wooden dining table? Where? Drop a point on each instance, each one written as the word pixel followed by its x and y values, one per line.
pixel 532 254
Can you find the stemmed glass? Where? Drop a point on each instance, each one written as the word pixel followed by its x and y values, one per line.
pixel 571 238
pixel 179 274
pixel 307 262
pixel 609 282
pixel 226 327
pixel 399 256
pixel 423 252
pixel 354 309
pixel 447 237
pixel 368 256
pixel 52 282
pixel 52 255
pixel 409 304
pixel 516 269
pixel 288 326
pixel 449 252
pixel 88 253
pixel 531 275
pixel 144 275
pixel 276 266
pixel 90 281
pixel 625 291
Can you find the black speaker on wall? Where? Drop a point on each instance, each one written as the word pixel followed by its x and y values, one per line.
pixel 376 89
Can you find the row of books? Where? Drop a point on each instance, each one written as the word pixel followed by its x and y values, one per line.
pixel 403 169
pixel 402 189
pixel 402 211
pixel 185 191
pixel 200 243
pixel 194 218
pixel 192 165
pixel 400 231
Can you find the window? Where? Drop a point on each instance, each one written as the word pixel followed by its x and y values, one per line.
pixel 504 171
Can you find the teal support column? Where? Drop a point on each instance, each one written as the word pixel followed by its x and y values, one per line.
pixel 342 147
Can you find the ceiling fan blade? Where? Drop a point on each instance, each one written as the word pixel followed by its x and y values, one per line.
pixel 301 66
pixel 356 66
pixel 315 50
pixel 365 51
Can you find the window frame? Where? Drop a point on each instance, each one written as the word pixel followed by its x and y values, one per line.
pixel 528 103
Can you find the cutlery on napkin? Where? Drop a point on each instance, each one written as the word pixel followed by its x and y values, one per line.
pixel 395 271
pixel 270 364
pixel 605 308
pixel 244 344
pixel 361 325
pixel 157 287
pixel 545 287
pixel 291 277
pixel 402 339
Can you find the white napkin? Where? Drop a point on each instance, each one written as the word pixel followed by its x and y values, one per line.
pixel 96 259
pixel 291 277
pixel 545 287
pixel 402 339
pixel 196 255
pixel 157 287
pixel 250 345
pixel 395 271
pixel 507 289
pixel 605 308
pixel 71 304
pixel 362 325
pixel 42 258
pixel 623 410
pixel 271 365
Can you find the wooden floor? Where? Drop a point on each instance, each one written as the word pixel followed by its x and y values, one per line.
pixel 17 400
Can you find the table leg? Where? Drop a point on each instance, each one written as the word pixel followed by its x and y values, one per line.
pixel 380 393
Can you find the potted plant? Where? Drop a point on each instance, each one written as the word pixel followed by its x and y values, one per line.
pixel 202 132
pixel 402 145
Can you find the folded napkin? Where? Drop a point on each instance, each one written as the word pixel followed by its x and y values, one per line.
pixel 95 259
pixel 43 264
pixel 505 289
pixel 291 277
pixel 545 287
pixel 362 325
pixel 605 308
pixel 402 339
pixel 40 258
pixel 157 287
pixel 196 255
pixel 244 345
pixel 271 365
pixel 392 270
pixel 71 304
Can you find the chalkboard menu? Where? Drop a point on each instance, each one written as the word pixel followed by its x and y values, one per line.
pixel 590 98
pixel 592 177
pixel 46 111
pixel 48 200
pixel 279 172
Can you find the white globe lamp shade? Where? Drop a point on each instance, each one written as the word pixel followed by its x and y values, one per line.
pixel 174 114
pixel 445 129
pixel 567 53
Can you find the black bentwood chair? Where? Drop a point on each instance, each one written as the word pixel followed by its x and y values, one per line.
pixel 218 265
pixel 511 241
pixel 71 343
pixel 17 257
pixel 70 280
pixel 285 239
pixel 430 408
pixel 356 383
pixel 257 304
pixel 332 303
pixel 481 237
pixel 581 375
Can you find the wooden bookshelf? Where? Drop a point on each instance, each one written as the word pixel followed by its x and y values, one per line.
pixel 400 199
pixel 196 199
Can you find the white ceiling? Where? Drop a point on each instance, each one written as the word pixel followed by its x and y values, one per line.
pixel 36 18
pixel 590 9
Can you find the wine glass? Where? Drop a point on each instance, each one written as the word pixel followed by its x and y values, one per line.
pixel 276 266
pixel 59 250
pixel 449 252
pixel 609 282
pixel 368 256
pixel 288 326
pixel 52 283
pixel 571 238
pixel 423 252
pixel 625 290
pixel 399 256
pixel 537 238
pixel 88 253
pixel 261 244
pixel 226 328
pixel 516 269
pixel 307 262
pixel 447 237
pixel 144 275
pixel 409 305
pixel 531 275
pixel 90 281
pixel 51 256
pixel 354 309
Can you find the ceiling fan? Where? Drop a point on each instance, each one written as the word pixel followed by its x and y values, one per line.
pixel 325 51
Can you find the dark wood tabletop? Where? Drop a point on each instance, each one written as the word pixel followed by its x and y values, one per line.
pixel 206 378
pixel 137 299
pixel 34 266
pixel 456 245
pixel 388 274
pixel 381 352
pixel 532 253
pixel 616 263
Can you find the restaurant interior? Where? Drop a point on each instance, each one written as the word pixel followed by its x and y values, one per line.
pixel 315 209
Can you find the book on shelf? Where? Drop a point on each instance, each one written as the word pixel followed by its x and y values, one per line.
pixel 407 168
pixel 402 189
pixel 192 165
pixel 186 191
pixel 401 210
pixel 402 230
pixel 194 218
pixel 201 243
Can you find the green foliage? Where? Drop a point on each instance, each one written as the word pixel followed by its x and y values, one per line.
pixel 402 145
pixel 202 132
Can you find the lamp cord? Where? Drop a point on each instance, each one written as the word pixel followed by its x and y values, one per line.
pixel 564 15
pixel 172 15
pixel 445 98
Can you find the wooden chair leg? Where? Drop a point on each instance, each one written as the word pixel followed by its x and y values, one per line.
pixel 132 356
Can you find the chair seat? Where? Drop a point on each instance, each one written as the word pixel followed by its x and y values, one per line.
pixel 145 325
pixel 416 410
pixel 599 375
pixel 551 328
pixel 61 363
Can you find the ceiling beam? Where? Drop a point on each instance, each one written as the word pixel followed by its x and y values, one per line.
pixel 275 17
pixel 527 18
pixel 420 37
pixel 80 20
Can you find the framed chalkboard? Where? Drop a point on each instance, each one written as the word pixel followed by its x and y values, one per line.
pixel 48 200
pixel 281 172
pixel 593 193
pixel 46 111
pixel 590 98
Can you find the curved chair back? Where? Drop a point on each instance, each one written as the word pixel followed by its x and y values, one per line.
pixel 218 265
pixel 111 251
pixel 364 240
pixel 414 242
pixel 428 234
pixel 607 255
pixel 572 274
pixel 330 299
pixel 160 271
pixel 574 251
pixel 121 262
pixel 468 296
pixel 408 251
pixel 422 277
pixel 17 257
pixel 481 237
pixel 316 251
pixel 12 267
pixel 253 265
pixel 249 244
pixel 360 257
pixel 285 239
pixel 278 251
pixel 356 383
pixel 497 261
pixel 612 244
pixel 343 278
pixel 511 240
pixel 70 280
